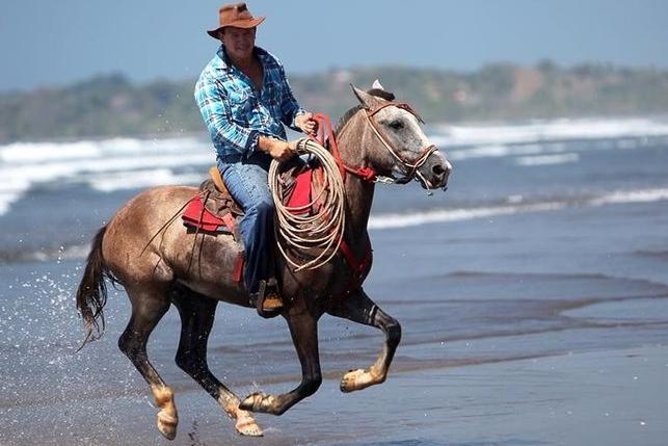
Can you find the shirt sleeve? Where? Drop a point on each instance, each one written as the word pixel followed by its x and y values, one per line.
pixel 228 136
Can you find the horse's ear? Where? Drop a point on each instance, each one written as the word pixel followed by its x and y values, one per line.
pixel 377 85
pixel 368 101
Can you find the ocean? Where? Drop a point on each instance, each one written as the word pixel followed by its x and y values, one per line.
pixel 533 297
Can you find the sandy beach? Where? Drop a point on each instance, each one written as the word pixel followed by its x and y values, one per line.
pixel 503 370
pixel 616 397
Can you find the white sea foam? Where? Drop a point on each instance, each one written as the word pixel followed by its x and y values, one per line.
pixel 126 163
pixel 540 131
pixel 5 201
pixel 544 160
pixel 390 221
pixel 140 179
pixel 106 165
pixel 635 196
pixel 21 153
pixel 24 153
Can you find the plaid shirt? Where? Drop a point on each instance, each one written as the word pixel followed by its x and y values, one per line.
pixel 235 113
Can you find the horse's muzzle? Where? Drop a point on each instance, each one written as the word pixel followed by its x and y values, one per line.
pixel 436 171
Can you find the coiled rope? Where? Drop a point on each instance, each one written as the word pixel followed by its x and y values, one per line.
pixel 308 240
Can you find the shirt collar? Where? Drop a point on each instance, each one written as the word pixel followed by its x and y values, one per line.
pixel 224 61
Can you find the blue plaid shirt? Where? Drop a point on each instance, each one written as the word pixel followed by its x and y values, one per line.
pixel 235 113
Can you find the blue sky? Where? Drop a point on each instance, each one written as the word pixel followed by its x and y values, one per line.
pixel 47 42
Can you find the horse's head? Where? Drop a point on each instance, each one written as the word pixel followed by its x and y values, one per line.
pixel 395 144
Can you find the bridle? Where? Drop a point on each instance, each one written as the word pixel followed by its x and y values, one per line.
pixel 410 167
pixel 303 232
pixel 326 137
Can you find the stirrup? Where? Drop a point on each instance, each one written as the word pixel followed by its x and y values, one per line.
pixel 267 300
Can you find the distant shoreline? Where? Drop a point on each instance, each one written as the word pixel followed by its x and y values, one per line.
pixel 110 105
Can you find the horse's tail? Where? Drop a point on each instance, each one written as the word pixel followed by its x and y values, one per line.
pixel 92 291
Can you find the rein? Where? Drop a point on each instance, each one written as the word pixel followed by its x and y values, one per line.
pixel 298 232
pixel 326 138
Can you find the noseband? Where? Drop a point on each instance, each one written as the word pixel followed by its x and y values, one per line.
pixel 410 167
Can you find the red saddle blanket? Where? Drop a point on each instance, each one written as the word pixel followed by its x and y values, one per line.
pixel 301 194
pixel 196 216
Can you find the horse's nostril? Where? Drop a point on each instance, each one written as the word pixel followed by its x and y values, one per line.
pixel 441 172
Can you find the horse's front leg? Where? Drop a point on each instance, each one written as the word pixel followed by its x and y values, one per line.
pixel 304 331
pixel 359 308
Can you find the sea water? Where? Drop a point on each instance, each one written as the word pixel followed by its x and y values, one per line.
pixel 551 240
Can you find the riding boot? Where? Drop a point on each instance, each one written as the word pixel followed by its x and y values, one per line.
pixel 267 300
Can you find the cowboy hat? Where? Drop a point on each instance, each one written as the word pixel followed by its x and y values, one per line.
pixel 237 15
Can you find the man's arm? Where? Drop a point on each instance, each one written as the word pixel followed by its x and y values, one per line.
pixel 219 121
pixel 278 149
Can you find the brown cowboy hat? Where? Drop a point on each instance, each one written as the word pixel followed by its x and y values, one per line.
pixel 237 15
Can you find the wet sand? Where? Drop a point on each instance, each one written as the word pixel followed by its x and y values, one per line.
pixel 494 371
pixel 614 398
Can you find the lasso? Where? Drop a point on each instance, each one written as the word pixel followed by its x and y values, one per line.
pixel 314 236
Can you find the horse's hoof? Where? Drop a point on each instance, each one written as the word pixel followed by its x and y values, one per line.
pixel 167 425
pixel 354 380
pixel 247 426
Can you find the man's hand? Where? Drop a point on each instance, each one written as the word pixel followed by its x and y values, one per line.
pixel 306 123
pixel 278 149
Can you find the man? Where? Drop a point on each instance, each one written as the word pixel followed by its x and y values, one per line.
pixel 244 98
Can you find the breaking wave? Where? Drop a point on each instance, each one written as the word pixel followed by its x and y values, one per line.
pixel 126 163
pixel 495 136
pixel 391 221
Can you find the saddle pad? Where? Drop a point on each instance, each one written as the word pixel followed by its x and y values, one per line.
pixel 305 189
pixel 300 196
pixel 196 215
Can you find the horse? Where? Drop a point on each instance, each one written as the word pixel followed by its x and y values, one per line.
pixel 159 264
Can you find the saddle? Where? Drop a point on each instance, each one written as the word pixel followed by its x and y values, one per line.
pixel 212 209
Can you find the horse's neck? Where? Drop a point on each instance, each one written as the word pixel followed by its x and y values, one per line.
pixel 359 193
pixel 359 197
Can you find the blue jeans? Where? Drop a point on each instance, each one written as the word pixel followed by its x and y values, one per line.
pixel 247 182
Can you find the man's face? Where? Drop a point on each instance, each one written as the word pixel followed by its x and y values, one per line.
pixel 239 42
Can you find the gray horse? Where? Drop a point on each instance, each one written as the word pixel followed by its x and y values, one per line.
pixel 161 264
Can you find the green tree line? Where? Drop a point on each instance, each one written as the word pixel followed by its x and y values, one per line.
pixel 112 105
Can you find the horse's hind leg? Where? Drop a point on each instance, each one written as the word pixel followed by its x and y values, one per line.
pixel 197 315
pixel 149 304
pixel 359 308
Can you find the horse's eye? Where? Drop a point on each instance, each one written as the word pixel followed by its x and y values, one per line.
pixel 396 125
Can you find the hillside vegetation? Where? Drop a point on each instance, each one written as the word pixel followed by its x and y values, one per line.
pixel 113 106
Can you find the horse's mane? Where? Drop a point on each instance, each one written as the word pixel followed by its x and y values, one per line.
pixel 377 92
